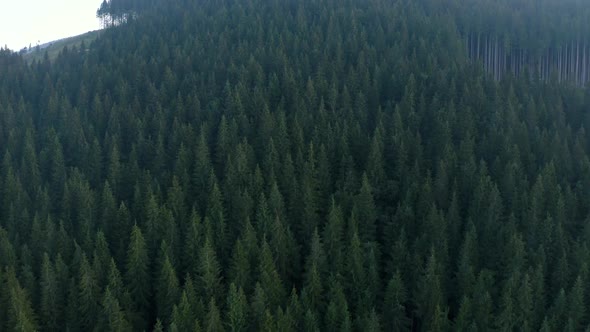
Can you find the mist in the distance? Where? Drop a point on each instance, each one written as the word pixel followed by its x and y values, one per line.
pixel 28 22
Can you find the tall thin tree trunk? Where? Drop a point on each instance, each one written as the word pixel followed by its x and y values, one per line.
pixel 560 62
pixel 584 65
pixel 577 68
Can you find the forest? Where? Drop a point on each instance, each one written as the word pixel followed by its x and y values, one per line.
pixel 535 38
pixel 311 165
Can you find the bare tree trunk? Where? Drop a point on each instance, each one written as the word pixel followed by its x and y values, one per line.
pixel 559 65
pixel 577 69
pixel 496 72
pixel 488 53
pixel 570 61
pixel 521 67
pixel 477 46
pixel 583 64
pixel 467 46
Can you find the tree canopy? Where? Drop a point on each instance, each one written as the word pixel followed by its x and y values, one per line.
pixel 311 165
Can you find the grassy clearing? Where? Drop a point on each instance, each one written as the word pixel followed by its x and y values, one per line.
pixel 56 46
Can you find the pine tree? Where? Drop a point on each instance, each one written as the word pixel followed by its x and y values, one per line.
pixel 394 314
pixel 314 277
pixel 440 321
pixel 21 315
pixel 244 258
pixel 57 173
pixel 29 164
pixel 176 200
pixel 192 238
pixel 464 319
pixel 50 306
pixel 101 258
pixel 284 321
pixel 309 195
pixel 375 166
pixel 240 266
pixel 269 278
pixel 114 172
pixel 167 292
pixel 216 216
pixel 465 274
pixel 195 302
pixel 372 322
pixel 158 327
pixel 109 209
pixel 365 211
pixel 507 315
pixel 73 319
pixel 276 203
pixel 137 276
pixel 213 322
pixel 334 239
pixel 237 309
pixel 356 277
pixel 113 317
pixel 538 293
pixel 223 142
pixel 337 314
pixel 202 169
pixel 263 217
pixel 285 250
pixel 524 303
pixel 258 305
pixel 429 299
pixel 576 306
pixel 209 272
pixel 482 301
pixel 89 295
pixel 558 311
pixel 120 232
pixel 310 323
pixel 182 314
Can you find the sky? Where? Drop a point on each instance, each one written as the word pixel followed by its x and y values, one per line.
pixel 24 22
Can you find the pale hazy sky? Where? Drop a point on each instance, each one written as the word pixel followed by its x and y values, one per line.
pixel 24 22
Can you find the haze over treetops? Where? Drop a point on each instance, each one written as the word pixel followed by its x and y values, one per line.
pixel 27 23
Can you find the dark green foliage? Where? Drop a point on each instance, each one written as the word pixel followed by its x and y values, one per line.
pixel 137 277
pixel 167 291
pixel 182 314
pixel 301 166
pixel 209 272
pixel 213 321
pixel 52 294
pixel 237 309
pixel 113 317
pixel 89 295
pixel 21 316
pixel 394 312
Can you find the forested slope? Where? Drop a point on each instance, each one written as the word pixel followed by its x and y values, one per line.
pixel 317 165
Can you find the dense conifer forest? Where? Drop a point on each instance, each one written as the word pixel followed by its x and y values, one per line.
pixel 310 165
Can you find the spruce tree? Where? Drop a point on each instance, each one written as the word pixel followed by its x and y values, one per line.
pixel 137 276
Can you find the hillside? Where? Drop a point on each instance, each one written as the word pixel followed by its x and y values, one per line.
pixel 53 48
pixel 312 165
